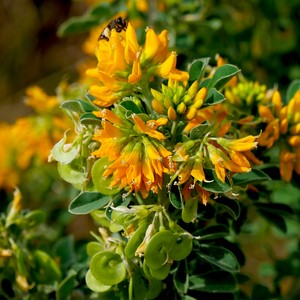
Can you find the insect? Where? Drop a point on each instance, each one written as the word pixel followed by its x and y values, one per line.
pixel 118 24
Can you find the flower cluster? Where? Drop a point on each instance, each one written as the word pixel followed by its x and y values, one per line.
pixel 30 139
pixel 136 158
pixel 174 100
pixel 283 128
pixel 124 66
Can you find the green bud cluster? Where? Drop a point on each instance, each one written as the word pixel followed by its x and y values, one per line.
pixel 175 100
pixel 246 93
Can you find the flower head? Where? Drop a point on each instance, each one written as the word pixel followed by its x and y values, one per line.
pixel 123 65
pixel 137 159
pixel 282 129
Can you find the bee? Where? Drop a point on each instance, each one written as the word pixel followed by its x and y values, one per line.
pixel 118 24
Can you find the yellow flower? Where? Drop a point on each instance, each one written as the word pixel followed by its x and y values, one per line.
pixel 123 64
pixel 39 100
pixel 242 144
pixel 234 161
pixel 29 140
pixel 137 159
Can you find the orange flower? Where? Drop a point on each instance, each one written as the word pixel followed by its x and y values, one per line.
pixel 283 121
pixel 123 64
pixel 137 159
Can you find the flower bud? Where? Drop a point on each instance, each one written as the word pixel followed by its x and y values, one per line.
pixel 172 115
pixel 187 99
pixel 181 108
pixel 157 95
pixel 198 103
pixel 176 99
pixel 193 89
pixel 157 106
pixel 191 113
pixel 202 93
pixel 294 140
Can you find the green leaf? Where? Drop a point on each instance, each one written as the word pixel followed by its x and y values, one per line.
pixel 222 75
pixel 212 232
pixel 197 68
pixel 44 268
pixel 214 184
pixel 66 286
pixel 231 206
pixel 199 131
pixel 274 213
pixel 292 89
pixel 131 106
pixel 214 282
pixel 204 83
pixel 277 220
pixel 254 176
pixel 86 202
pixel 64 249
pixel 62 155
pixel 261 292
pixel 35 217
pixel 276 208
pixel 78 105
pixel 220 257
pixel 175 200
pixel 89 119
pixel 77 24
pixel 181 277
pixel 213 97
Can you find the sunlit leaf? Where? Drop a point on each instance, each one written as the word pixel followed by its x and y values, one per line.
pixel 222 75
pixel 254 176
pixel 78 105
pixel 86 202
pixel 197 68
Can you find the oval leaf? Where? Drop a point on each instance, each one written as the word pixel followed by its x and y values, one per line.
pixel 292 89
pixel 213 97
pixel 231 206
pixel 222 75
pixel 214 282
pixel 220 257
pixel 212 232
pixel 89 119
pixel 78 105
pixel 197 68
pixel 86 202
pixel 254 176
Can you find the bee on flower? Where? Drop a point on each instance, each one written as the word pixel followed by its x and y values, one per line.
pixel 124 66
